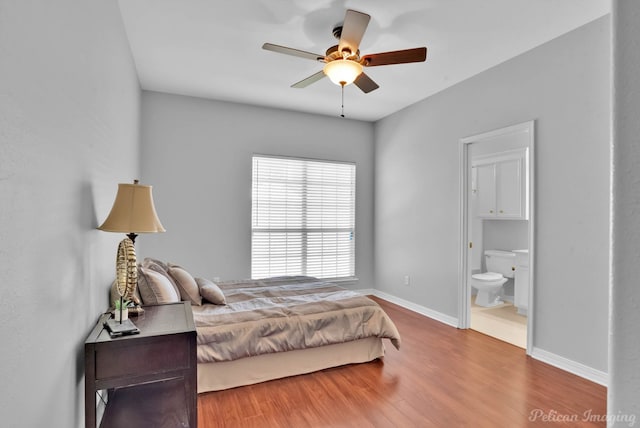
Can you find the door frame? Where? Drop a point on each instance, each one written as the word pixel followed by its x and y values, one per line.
pixel 464 303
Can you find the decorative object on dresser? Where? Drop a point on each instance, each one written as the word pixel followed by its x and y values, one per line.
pixel 121 310
pixel 126 281
pixel 133 212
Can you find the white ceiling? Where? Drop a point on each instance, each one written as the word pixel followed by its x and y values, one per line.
pixel 213 49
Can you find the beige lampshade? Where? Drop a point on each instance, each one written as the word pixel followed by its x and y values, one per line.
pixel 133 211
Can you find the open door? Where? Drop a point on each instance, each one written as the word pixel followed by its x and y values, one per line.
pixel 482 157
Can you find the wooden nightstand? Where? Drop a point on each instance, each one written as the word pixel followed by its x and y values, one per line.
pixel 151 376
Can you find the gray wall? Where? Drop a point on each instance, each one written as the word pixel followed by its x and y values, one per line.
pixel 69 117
pixel 564 86
pixel 505 234
pixel 197 155
pixel 624 362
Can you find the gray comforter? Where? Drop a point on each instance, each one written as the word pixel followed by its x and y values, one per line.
pixel 283 314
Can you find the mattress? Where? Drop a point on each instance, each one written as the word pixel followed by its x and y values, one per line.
pixel 285 326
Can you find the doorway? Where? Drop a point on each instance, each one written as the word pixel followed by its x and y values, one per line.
pixel 497 214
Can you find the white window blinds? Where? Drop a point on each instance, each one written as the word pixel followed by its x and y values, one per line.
pixel 303 218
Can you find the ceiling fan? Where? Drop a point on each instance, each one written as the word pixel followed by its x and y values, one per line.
pixel 343 63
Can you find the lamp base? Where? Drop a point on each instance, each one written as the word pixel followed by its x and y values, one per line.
pixel 117 328
pixel 134 311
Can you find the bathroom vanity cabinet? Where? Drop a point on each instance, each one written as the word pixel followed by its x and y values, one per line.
pixel 521 287
pixel 500 185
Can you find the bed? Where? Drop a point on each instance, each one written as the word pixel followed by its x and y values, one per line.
pixel 280 327
pixel 251 331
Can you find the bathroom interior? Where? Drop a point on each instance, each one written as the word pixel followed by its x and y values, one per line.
pixel 498 223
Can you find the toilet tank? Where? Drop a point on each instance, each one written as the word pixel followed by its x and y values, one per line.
pixel 500 262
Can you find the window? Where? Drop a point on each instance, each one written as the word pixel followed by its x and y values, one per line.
pixel 303 218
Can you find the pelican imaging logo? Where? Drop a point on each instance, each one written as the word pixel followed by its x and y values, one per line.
pixel 553 416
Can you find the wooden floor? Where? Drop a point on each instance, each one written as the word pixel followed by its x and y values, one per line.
pixel 441 377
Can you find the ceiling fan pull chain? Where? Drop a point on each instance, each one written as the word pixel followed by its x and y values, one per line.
pixel 342 87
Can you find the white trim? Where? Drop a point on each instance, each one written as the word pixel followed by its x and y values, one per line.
pixel 514 154
pixel 303 158
pixel 422 310
pixel 464 297
pixel 532 232
pixel 513 129
pixel 292 199
pixel 464 288
pixel 578 369
pixel 571 366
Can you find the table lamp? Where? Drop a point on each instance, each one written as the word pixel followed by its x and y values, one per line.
pixel 133 212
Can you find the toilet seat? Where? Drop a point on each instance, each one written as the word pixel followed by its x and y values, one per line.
pixel 487 276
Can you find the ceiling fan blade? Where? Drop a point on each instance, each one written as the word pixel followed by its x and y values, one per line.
pixel 290 51
pixel 353 28
pixel 365 83
pixel 395 57
pixel 309 80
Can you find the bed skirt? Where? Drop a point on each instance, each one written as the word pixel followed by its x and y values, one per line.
pixel 247 371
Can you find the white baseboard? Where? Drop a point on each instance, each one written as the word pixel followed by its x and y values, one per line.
pixel 578 369
pixel 571 366
pixel 438 316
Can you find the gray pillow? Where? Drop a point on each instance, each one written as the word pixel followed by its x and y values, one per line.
pixel 186 285
pixel 155 288
pixel 162 269
pixel 149 261
pixel 211 292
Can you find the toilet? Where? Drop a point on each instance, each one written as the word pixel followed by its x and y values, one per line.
pixel 500 267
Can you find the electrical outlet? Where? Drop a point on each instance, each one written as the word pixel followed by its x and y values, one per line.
pixel 407 280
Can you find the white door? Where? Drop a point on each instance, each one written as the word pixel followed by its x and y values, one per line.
pixel 486 190
pixel 509 189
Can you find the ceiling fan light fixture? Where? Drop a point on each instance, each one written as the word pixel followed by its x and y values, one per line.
pixel 342 72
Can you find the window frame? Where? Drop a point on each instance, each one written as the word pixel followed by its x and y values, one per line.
pixel 303 230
